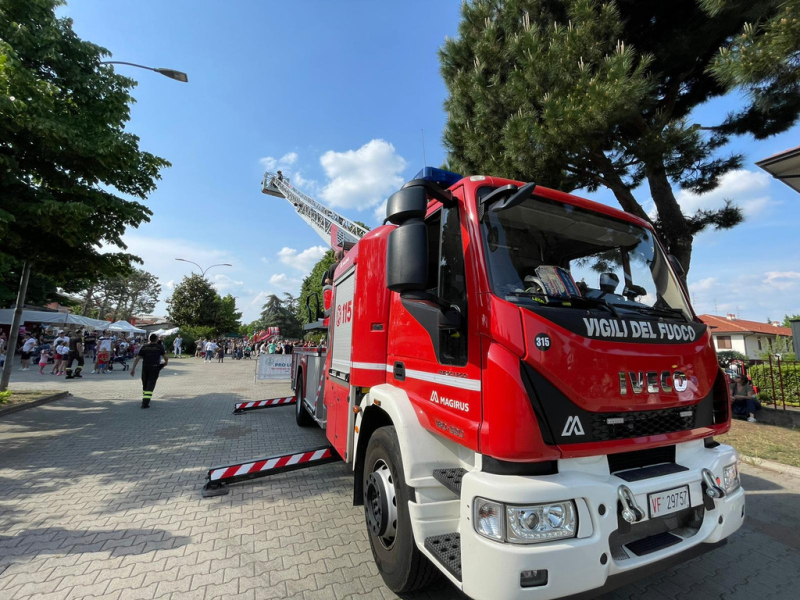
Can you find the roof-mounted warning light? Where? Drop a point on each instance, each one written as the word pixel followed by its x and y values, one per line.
pixel 441 177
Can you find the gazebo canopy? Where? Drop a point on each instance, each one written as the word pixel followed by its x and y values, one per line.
pixel 784 166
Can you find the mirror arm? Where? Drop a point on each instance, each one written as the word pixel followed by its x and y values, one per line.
pixel 433 190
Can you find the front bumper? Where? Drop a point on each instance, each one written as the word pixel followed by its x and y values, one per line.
pixel 491 569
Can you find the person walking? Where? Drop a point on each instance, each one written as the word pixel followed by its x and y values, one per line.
pixel 75 353
pixel 150 354
pixel 211 348
pixel 177 346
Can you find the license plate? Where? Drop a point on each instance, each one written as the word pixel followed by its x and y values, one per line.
pixel 668 501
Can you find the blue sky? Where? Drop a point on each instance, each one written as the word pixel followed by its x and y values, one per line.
pixel 337 93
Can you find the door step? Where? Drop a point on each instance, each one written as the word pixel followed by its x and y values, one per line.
pixel 446 549
pixel 450 478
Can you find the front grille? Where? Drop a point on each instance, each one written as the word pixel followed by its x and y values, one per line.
pixel 618 426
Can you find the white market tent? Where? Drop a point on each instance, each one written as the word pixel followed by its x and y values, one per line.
pixel 166 332
pixel 51 318
pixel 124 326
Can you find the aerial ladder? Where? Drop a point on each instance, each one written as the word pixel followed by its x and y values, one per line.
pixel 322 219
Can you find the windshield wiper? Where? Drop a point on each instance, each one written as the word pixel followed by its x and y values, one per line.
pixel 659 312
pixel 550 300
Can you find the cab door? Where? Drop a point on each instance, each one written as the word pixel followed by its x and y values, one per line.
pixel 439 367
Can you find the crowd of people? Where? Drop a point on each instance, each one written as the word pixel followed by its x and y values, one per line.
pixel 242 349
pixel 56 351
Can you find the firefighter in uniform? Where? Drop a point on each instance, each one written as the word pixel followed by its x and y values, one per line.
pixel 150 355
pixel 75 353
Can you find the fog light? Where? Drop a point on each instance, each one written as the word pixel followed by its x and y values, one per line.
pixel 730 477
pixel 488 519
pixel 528 579
pixel 541 522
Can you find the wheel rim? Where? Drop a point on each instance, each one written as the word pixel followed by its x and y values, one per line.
pixel 380 503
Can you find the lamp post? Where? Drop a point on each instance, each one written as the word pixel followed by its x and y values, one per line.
pixel 171 73
pixel 202 270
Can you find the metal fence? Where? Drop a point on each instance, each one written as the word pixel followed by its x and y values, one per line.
pixel 778 381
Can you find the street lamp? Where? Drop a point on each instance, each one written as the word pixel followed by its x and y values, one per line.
pixel 203 271
pixel 171 73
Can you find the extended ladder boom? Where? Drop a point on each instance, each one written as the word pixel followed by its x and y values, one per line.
pixel 320 217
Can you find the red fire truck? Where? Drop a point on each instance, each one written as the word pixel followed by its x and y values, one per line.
pixel 524 393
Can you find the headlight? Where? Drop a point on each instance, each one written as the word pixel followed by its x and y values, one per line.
pixel 525 524
pixel 541 522
pixel 730 478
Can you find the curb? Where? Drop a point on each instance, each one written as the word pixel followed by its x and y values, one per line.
pixel 769 465
pixel 45 400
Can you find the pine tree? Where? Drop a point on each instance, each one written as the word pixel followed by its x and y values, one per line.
pixel 582 94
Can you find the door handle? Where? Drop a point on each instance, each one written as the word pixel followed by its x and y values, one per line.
pixel 399 371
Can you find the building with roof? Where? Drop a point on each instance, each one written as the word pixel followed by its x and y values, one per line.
pixel 750 338
pixel 784 166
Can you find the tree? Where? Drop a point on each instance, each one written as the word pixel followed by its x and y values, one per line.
pixel 313 284
pixel 582 94
pixel 194 302
pixel 122 296
pixel 787 320
pixel 67 164
pixel 64 149
pixel 276 313
pixel 42 289
pixel 228 319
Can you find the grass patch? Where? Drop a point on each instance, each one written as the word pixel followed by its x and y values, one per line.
pixel 764 441
pixel 13 397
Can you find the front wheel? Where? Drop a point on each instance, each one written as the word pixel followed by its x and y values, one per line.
pixel 403 567
pixel 300 413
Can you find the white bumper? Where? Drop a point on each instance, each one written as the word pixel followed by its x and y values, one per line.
pixel 491 570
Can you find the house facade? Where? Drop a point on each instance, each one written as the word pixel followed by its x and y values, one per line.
pixel 750 338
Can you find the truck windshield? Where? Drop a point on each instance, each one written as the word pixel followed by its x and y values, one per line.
pixel 543 253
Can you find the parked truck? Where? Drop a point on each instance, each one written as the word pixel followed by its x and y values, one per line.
pixel 525 395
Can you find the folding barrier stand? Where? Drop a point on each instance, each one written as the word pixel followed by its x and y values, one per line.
pixel 242 407
pixel 219 478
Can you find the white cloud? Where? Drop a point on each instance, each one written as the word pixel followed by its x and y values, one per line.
pixel 782 280
pixel 305 260
pixel 748 189
pixel 223 284
pixel 170 284
pixel 361 178
pixel 310 185
pixel 703 285
pixel 284 162
pixel 284 282
pixel 264 260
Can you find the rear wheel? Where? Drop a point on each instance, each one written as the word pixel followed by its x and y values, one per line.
pixel 403 567
pixel 300 413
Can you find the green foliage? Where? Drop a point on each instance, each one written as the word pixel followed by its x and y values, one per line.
pixel 769 378
pixel 787 320
pixel 279 313
pixel 67 163
pixel 313 284
pixel 782 345
pixel 195 303
pixel 133 292
pixel 726 357
pixel 582 94
pixel 42 289
pixel 5 397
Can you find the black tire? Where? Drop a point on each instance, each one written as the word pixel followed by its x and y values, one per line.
pixel 403 567
pixel 300 413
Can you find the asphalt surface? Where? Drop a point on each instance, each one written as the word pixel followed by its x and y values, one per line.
pixel 99 498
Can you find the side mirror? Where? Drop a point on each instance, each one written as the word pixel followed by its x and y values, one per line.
pixel 632 291
pixel 676 264
pixel 317 314
pixel 407 257
pixel 608 282
pixel 408 203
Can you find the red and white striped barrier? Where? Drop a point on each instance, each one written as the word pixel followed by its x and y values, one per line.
pixel 241 407
pixel 219 477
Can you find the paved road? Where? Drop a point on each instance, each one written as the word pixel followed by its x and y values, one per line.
pixel 99 498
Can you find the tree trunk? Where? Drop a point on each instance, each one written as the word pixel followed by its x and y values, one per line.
pixel 16 321
pixel 672 223
pixel 86 300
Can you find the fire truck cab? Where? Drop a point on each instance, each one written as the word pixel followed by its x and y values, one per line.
pixel 524 392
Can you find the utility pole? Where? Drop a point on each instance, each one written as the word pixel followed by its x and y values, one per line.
pixel 13 335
